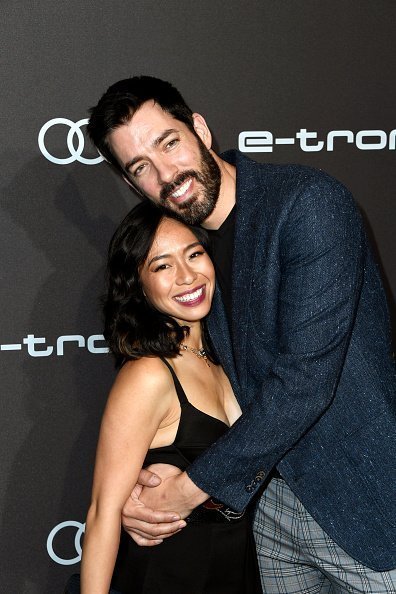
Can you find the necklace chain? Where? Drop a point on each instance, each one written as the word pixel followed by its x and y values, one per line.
pixel 200 353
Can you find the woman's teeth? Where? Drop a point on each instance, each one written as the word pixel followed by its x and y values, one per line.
pixel 190 296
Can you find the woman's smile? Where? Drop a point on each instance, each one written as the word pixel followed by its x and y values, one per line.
pixel 191 298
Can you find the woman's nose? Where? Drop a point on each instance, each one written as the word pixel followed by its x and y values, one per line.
pixel 185 275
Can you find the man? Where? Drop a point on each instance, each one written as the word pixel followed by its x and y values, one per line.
pixel 301 328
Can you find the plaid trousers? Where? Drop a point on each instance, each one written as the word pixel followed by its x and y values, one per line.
pixel 297 557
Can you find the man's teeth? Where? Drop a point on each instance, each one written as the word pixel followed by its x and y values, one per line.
pixel 182 190
pixel 190 296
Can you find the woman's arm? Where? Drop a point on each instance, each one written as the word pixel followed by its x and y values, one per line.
pixel 139 402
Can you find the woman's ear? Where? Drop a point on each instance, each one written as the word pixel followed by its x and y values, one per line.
pixel 201 128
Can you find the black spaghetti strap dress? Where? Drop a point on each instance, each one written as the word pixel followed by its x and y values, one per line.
pixel 214 553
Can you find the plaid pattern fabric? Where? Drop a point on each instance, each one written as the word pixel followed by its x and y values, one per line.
pixel 297 557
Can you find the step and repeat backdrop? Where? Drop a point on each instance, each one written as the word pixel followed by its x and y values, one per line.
pixel 295 81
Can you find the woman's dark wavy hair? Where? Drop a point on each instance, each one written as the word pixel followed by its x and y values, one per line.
pixel 133 327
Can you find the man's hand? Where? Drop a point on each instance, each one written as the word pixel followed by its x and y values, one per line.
pixel 144 525
pixel 147 516
pixel 176 491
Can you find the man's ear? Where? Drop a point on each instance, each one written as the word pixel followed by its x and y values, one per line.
pixel 201 128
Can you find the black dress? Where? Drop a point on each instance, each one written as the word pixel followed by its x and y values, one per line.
pixel 214 553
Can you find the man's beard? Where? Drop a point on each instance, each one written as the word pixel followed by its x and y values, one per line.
pixel 199 207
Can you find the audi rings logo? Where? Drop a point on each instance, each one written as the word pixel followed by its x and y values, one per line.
pixel 80 528
pixel 75 152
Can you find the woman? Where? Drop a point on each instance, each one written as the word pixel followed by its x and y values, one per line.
pixel 169 402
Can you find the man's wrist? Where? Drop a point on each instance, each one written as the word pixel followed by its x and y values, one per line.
pixel 191 493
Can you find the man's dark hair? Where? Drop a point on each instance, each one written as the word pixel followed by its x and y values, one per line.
pixel 133 327
pixel 117 106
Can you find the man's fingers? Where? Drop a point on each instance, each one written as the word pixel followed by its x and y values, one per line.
pixel 156 540
pixel 148 479
pixel 132 514
pixel 154 532
pixel 160 517
pixel 144 542
pixel 146 526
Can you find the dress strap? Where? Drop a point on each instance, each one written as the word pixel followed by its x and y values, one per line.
pixel 178 387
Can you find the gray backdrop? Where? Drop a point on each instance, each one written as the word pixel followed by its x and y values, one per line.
pixel 313 79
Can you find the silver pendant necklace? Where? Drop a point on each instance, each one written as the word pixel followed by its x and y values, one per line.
pixel 200 353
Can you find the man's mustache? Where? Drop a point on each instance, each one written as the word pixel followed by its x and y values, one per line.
pixel 168 189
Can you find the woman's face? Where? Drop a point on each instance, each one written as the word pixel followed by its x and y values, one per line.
pixel 178 276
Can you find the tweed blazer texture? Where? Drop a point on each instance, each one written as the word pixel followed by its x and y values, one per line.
pixel 310 358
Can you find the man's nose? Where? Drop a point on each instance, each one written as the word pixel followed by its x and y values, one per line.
pixel 166 172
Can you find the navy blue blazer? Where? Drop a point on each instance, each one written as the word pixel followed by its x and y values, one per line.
pixel 309 356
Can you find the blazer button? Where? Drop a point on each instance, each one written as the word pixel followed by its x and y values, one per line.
pixel 257 479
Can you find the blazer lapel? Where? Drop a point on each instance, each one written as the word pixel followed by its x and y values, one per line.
pixel 245 242
pixel 220 335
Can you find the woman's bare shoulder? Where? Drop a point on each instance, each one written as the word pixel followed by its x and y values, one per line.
pixel 147 377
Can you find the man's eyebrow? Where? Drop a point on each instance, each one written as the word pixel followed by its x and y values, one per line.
pixel 162 137
pixel 161 256
pixel 156 142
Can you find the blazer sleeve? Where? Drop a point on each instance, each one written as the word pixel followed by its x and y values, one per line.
pixel 322 249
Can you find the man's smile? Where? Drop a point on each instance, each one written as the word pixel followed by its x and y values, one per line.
pixel 178 195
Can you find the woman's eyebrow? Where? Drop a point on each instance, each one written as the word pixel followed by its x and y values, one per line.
pixel 161 256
